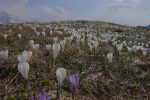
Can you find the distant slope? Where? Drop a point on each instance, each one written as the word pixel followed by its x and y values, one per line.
pixel 148 26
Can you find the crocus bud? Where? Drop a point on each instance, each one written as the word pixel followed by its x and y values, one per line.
pixel 62 43
pixel 69 39
pixel 31 42
pixel 90 46
pixel 43 33
pixel 10 31
pixel 145 51
pixel 32 98
pixel 56 49
pixel 19 36
pixel 43 96
pixel 60 74
pixel 23 68
pixel 4 54
pixel 74 79
pixel 110 57
pixel 129 49
pixel 5 36
pixel 119 47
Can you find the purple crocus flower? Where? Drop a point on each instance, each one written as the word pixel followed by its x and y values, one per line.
pixel 74 79
pixel 42 96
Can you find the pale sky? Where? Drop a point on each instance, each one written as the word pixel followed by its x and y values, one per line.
pixel 128 12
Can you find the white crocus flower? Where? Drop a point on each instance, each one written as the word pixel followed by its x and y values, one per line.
pixel 31 43
pixel 147 45
pixel 48 46
pixel 90 46
pixel 37 33
pixel 10 31
pixel 60 74
pixel 51 32
pixel 96 45
pixel 5 36
pixel 35 47
pixel 28 54
pixel 4 54
pixel 63 43
pixel 110 57
pixel 19 36
pixel 69 39
pixel 23 68
pixel 129 49
pixel 145 51
pixel 56 49
pixel 43 33
pixel 119 47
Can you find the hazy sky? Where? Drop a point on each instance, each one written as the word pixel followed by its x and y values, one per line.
pixel 129 12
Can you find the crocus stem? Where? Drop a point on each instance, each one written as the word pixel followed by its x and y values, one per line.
pixel 73 96
pixel 26 85
pixel 58 92
pixel 54 63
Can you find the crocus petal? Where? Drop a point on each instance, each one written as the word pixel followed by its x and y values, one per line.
pixel 74 79
pixel 32 98
pixel 49 98
pixel 39 97
pixel 43 95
